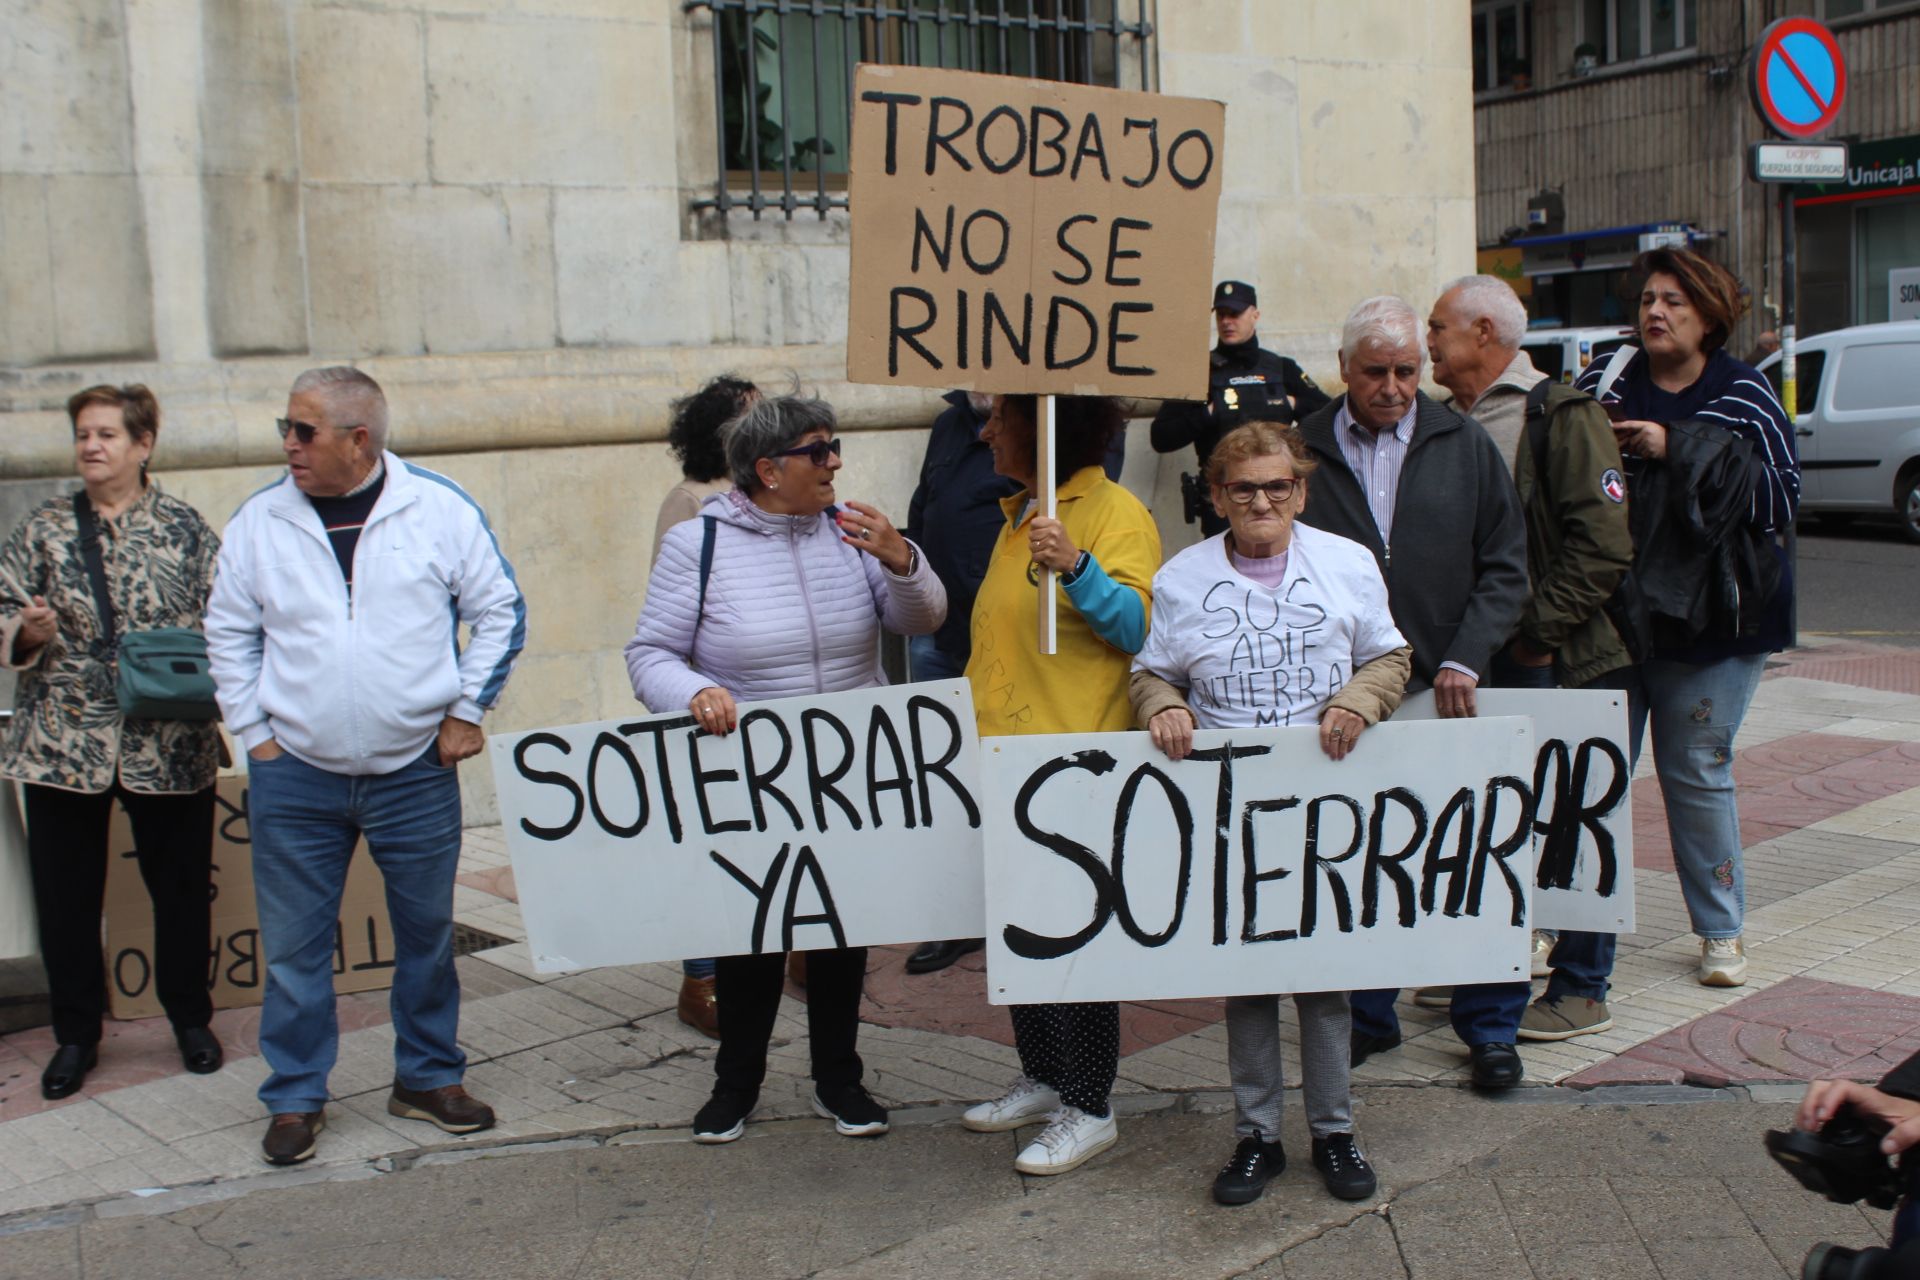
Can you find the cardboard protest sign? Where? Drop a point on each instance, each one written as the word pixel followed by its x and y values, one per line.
pixel 236 965
pixel 846 819
pixel 1583 801
pixel 1256 864
pixel 1030 236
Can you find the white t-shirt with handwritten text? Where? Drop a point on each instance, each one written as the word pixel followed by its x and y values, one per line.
pixel 1254 656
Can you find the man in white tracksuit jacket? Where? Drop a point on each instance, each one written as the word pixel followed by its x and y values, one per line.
pixel 333 631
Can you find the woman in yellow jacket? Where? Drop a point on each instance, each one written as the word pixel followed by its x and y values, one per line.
pixel 1106 548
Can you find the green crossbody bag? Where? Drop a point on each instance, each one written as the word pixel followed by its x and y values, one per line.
pixel 163 672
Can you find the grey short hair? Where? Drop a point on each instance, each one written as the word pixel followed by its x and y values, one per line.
pixel 356 392
pixel 771 424
pixel 1385 319
pixel 1493 299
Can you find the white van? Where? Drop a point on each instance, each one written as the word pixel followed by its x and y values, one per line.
pixel 1564 353
pixel 1858 421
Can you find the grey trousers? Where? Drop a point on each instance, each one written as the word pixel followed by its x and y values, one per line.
pixel 1259 1082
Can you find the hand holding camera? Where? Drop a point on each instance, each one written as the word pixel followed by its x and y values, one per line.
pixel 1841 1145
pixel 1826 1099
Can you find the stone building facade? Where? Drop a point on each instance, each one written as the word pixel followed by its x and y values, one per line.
pixel 1631 119
pixel 502 209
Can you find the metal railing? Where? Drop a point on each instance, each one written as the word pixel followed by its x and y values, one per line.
pixel 783 75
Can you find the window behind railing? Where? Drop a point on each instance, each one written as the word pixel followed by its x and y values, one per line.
pixel 783 75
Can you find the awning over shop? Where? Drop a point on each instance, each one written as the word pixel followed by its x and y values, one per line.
pixel 1606 249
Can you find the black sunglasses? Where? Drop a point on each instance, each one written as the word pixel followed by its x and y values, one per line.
pixel 817 453
pixel 306 430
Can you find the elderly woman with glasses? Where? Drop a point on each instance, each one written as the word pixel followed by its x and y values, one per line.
pixel 1311 642
pixel 776 592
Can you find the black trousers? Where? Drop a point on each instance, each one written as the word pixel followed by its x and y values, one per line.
pixel 1073 1047
pixel 67 848
pixel 747 989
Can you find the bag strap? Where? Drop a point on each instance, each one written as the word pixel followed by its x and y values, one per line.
pixel 1537 426
pixel 1622 356
pixel 708 534
pixel 96 567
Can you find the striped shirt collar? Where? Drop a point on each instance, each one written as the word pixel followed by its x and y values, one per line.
pixel 1345 428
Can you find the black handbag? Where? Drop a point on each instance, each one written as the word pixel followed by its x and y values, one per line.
pixel 161 673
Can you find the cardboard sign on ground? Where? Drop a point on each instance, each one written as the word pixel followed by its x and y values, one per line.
pixel 1583 801
pixel 1256 865
pixel 846 819
pixel 1018 235
pixel 236 967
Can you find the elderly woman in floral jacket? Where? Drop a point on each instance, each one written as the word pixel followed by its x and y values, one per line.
pixel 776 592
pixel 76 754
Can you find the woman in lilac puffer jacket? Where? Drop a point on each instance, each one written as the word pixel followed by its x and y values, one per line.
pixel 792 605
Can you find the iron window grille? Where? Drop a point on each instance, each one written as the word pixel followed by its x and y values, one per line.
pixel 783 75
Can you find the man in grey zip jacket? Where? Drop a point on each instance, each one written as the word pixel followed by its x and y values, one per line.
pixel 1425 489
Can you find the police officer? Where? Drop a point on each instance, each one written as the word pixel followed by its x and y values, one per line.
pixel 1245 384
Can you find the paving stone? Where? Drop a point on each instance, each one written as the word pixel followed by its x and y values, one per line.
pixel 1725 1258
pixel 1620 1260
pixel 1456 1229
pixel 1364 1247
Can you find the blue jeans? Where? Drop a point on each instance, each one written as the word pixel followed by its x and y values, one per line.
pixel 304 823
pixel 1695 712
pixel 1484 1012
pixel 925 661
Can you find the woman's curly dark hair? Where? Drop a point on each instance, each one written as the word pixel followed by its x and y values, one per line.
pixel 1083 428
pixel 694 435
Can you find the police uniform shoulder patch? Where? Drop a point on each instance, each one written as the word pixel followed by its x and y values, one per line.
pixel 1613 485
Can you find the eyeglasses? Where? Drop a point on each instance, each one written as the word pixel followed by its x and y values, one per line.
pixel 817 453
pixel 1277 491
pixel 306 430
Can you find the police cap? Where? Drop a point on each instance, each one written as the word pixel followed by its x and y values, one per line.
pixel 1235 296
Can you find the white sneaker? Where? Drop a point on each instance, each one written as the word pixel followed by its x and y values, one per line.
pixel 1026 1100
pixel 1072 1139
pixel 1723 962
pixel 1543 940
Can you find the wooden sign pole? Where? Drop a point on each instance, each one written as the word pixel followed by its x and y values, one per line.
pixel 1046 482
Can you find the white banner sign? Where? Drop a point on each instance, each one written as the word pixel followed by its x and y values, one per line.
pixel 1256 864
pixel 1903 293
pixel 1583 801
pixel 848 819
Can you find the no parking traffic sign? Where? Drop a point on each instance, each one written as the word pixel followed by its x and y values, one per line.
pixel 1798 77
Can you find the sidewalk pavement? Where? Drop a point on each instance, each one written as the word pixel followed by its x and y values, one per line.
pixel 1828 765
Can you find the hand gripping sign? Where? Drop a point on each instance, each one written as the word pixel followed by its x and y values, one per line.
pixel 1256 864
pixel 848 819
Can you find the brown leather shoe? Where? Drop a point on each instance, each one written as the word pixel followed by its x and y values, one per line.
pixel 450 1106
pixel 290 1136
pixel 698 1008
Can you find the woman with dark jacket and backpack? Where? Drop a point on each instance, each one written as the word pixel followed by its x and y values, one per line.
pixel 776 592
pixel 77 754
pixel 1712 477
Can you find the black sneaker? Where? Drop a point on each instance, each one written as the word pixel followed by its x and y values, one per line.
pixel 724 1118
pixel 852 1110
pixel 1345 1171
pixel 1255 1162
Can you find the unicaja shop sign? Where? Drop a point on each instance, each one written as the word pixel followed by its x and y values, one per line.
pixel 1889 167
